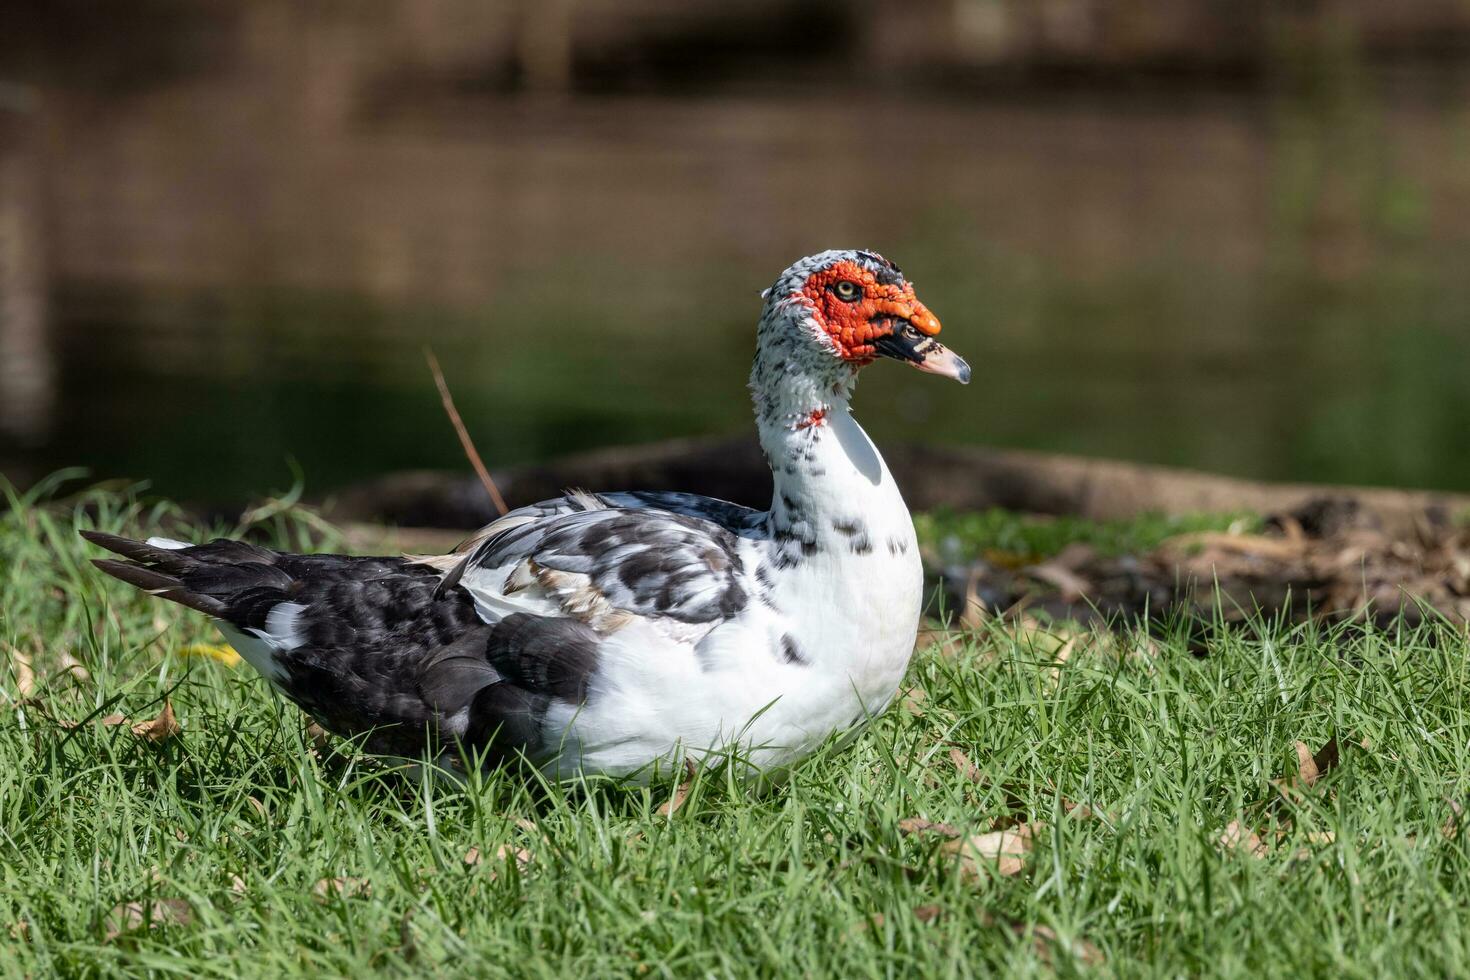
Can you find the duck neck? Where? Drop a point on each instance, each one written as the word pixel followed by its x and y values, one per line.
pixel 833 498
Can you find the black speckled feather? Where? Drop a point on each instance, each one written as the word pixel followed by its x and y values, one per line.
pixel 667 555
pixel 378 654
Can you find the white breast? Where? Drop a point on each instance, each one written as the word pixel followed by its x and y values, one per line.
pixel 827 652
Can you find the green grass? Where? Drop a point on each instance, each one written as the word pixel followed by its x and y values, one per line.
pixel 963 535
pixel 234 821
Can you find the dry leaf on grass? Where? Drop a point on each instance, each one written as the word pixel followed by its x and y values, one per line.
pixel 1310 767
pixel 918 826
pixel 1313 766
pixel 346 887
pixel 1085 811
pixel 317 736
pixel 964 765
pixel 71 665
pixel 1307 771
pixel 504 853
pixel 1240 838
pixel 927 913
pixel 25 676
pixel 157 729
pixel 681 793
pixel 1003 851
pixel 20 930
pixel 128 916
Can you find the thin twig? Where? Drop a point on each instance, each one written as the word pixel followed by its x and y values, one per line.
pixel 464 436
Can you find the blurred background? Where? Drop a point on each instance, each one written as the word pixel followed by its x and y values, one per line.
pixel 1226 234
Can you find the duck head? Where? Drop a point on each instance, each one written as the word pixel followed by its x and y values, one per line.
pixel 851 307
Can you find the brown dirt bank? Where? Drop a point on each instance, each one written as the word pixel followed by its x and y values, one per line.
pixel 962 478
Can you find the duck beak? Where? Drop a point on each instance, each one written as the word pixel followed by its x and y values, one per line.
pixel 912 341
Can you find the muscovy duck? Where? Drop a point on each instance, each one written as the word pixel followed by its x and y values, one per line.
pixel 612 632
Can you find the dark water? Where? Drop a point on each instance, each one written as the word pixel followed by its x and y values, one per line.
pixel 1261 286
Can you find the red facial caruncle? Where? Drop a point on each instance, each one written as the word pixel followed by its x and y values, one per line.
pixel 856 310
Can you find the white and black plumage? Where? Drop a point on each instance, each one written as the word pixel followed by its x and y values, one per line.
pixel 607 633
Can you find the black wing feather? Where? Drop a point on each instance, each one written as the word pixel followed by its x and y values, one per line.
pixel 380 653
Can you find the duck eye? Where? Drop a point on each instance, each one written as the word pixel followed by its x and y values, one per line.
pixel 847 290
